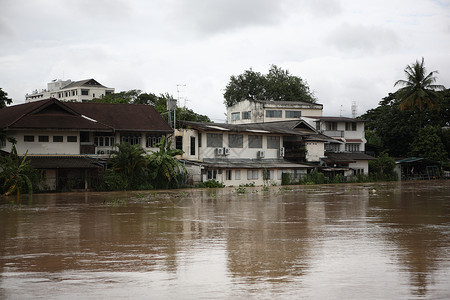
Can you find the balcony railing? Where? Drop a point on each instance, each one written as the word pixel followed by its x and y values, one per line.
pixel 334 133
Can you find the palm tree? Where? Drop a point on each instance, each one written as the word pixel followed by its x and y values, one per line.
pixel 130 163
pixel 166 167
pixel 14 170
pixel 418 89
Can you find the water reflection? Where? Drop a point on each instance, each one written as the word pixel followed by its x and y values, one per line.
pixel 346 241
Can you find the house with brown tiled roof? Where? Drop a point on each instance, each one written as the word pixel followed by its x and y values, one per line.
pixel 72 139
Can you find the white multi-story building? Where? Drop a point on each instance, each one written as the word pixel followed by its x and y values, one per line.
pixel 71 91
pixel 256 111
pixel 249 153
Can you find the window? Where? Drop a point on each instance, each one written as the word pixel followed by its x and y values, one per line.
pixel 246 115
pixel 151 141
pixel 331 125
pixel 133 139
pixel 104 141
pixel 293 114
pixel 72 139
pixel 192 145
pixel 273 142
pixel 28 138
pixel 255 141
pixel 229 173
pixel 2 143
pixel 43 138
pixel 252 174
pixel 350 126
pixel 179 142
pixel 235 140
pixel 352 147
pixel 214 140
pixel 211 174
pixel 58 139
pixel 267 174
pixel 199 139
pixel 235 116
pixel 273 113
pixel 332 147
pixel 237 175
pixel 85 92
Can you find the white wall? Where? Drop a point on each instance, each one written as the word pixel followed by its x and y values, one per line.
pixel 50 147
pixel 314 151
pixel 360 164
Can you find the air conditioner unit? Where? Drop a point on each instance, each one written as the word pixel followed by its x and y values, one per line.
pixel 219 151
pixel 261 154
pixel 282 152
pixel 226 151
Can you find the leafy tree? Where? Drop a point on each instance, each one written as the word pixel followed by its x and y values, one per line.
pixel 165 168
pixel 383 167
pixel 428 144
pixel 277 85
pixel 418 89
pixel 15 173
pixel 124 97
pixel 4 100
pixel 129 162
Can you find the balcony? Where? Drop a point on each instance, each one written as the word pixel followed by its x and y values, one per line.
pixel 334 133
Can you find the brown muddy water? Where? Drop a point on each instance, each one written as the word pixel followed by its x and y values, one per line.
pixel 365 241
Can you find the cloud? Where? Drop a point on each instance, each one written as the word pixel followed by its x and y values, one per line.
pixel 362 39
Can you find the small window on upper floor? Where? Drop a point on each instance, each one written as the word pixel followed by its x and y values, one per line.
pixel 43 138
pixel 235 116
pixel 350 126
pixel 246 115
pixel 273 114
pixel 85 92
pixel 58 139
pixel 331 125
pixel 293 114
pixel 72 139
pixel 28 138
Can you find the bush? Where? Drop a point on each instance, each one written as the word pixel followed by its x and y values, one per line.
pixel 210 184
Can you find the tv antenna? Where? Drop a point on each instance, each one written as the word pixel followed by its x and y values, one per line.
pixel 354 109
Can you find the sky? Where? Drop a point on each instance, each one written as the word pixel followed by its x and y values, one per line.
pixel 347 51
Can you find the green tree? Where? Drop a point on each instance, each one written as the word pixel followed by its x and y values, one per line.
pixel 383 167
pixel 15 173
pixel 418 89
pixel 4 100
pixel 130 164
pixel 277 85
pixel 428 144
pixel 165 168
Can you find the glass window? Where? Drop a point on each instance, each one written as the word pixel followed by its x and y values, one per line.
pixel 85 92
pixel 28 138
pixel 132 139
pixel 293 114
pixel 255 141
pixel 235 140
pixel 43 138
pixel 273 142
pixel 235 116
pixel 246 115
pixel 273 113
pixel 267 174
pixel 179 142
pixel 72 139
pixel 352 147
pixel 331 125
pixel 58 139
pixel 192 145
pixel 350 126
pixel 151 141
pixel 211 174
pixel 199 139
pixel 229 174
pixel 252 174
pixel 214 140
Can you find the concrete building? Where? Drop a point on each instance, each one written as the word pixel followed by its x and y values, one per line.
pixel 70 91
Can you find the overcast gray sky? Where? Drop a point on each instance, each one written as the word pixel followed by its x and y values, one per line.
pixel 346 50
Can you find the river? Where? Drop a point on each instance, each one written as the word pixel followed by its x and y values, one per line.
pixel 356 241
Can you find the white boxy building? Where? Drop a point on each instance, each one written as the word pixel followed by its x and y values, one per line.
pixel 248 153
pixel 71 91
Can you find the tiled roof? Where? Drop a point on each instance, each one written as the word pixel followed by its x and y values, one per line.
pixel 87 82
pixel 62 162
pixel 346 157
pixel 53 114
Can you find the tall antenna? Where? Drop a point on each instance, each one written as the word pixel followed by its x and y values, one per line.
pixel 178 93
pixel 354 109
